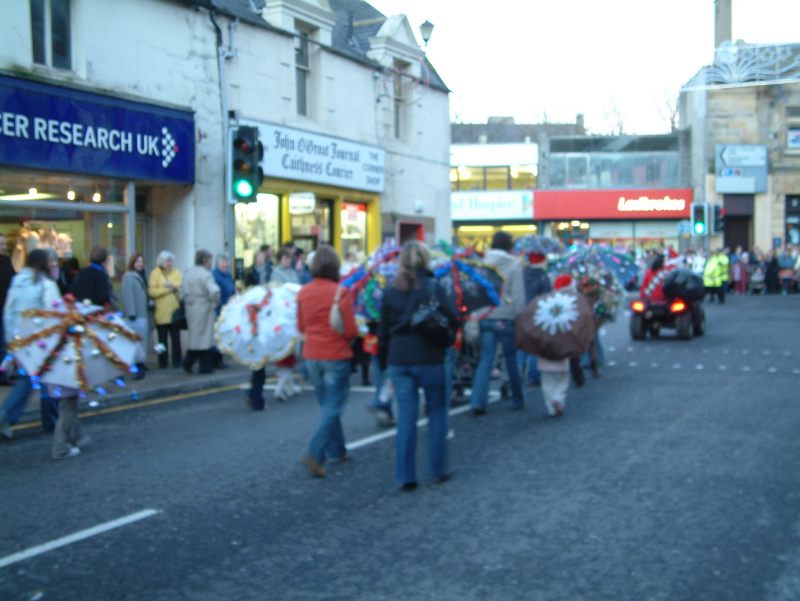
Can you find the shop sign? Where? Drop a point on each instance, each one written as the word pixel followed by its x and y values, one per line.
pixel 310 157
pixel 60 129
pixel 612 204
pixel 491 205
pixel 741 168
pixel 302 203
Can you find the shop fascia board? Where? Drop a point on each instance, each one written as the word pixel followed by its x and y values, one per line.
pixel 66 206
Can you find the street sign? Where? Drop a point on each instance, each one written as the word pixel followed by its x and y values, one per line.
pixel 741 168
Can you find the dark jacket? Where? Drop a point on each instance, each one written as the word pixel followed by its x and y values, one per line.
pixel 398 343
pixel 226 287
pixel 93 283
pixel 253 278
pixel 536 282
pixel 6 273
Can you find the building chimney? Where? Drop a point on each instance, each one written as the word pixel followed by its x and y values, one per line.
pixel 722 22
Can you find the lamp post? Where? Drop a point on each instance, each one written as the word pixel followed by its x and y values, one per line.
pixel 426 29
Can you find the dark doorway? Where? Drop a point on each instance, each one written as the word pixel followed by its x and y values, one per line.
pixel 737 232
pixel 410 231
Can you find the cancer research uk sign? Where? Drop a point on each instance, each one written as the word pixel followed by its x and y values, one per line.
pixel 61 129
pixel 310 157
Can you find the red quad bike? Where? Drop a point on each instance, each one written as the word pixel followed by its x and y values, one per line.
pixel 686 318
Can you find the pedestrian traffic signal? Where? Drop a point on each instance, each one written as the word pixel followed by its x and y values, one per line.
pixel 699 227
pixel 246 173
pixel 719 219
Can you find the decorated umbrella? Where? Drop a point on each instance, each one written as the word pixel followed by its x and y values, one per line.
pixel 581 258
pixel 75 345
pixel 537 244
pixel 367 284
pixel 599 284
pixel 469 285
pixel 556 325
pixel 259 326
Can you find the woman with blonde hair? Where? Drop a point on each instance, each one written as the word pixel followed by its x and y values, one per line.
pixel 163 286
pixel 414 353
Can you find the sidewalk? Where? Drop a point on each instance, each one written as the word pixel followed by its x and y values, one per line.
pixel 157 383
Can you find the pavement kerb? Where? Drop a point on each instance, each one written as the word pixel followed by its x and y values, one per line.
pixel 120 397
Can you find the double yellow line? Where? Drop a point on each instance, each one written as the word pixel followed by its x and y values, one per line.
pixel 140 405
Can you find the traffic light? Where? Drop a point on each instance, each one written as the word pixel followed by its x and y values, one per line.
pixel 719 219
pixel 699 225
pixel 246 173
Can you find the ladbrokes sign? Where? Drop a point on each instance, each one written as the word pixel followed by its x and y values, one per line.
pixel 612 204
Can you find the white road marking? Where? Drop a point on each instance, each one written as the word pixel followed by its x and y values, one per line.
pixel 745 352
pixel 699 366
pixel 773 370
pixel 494 397
pixel 722 368
pixel 796 371
pixel 77 536
pixel 787 353
pixel 632 364
pixel 611 363
pixel 766 352
pixel 746 368
pixel 654 364
pixel 611 349
pixel 676 366
pixel 724 351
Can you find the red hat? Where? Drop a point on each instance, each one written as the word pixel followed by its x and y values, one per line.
pixel 536 258
pixel 562 281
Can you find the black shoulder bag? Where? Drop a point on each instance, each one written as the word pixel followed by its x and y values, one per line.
pixel 429 321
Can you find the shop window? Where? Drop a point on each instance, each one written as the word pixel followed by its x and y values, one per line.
pixel 398 93
pixel 497 178
pixel 50 33
pixel 302 71
pixel 578 171
pixel 256 225
pixel 454 183
pixel 523 177
pixel 793 129
pixel 354 231
pixel 470 178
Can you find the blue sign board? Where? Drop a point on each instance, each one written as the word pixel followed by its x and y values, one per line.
pixel 61 129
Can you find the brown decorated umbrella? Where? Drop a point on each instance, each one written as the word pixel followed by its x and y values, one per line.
pixel 556 325
pixel 75 345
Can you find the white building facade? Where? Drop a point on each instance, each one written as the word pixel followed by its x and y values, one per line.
pixel 128 107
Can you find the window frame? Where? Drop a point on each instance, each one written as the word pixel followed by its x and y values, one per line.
pixel 44 36
pixel 302 64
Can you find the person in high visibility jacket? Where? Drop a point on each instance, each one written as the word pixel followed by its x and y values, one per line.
pixel 725 270
pixel 712 277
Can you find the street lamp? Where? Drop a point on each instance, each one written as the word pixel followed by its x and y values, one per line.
pixel 426 29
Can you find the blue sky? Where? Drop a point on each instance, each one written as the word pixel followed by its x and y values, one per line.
pixel 614 61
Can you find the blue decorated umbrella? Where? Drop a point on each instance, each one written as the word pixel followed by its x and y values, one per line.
pixel 469 285
pixel 537 244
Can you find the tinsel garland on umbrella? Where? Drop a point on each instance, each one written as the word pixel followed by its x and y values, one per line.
pixel 622 266
pixel 537 244
pixel 471 284
pixel 259 326
pixel 75 345
pixel 601 287
pixel 367 284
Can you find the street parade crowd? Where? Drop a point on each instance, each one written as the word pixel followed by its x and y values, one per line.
pixel 438 320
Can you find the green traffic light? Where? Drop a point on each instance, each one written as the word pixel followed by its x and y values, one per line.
pixel 243 188
pixel 699 228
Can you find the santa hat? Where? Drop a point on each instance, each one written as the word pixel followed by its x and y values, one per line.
pixel 536 258
pixel 562 281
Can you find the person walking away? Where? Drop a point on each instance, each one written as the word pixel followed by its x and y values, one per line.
pixel 6 274
pixel 772 273
pixel 227 288
pixel 739 271
pixel 414 361
pixel 68 439
pixel 785 270
pixel 498 328
pixel 31 288
pixel 200 297
pixel 555 373
pixel 537 282
pixel 327 355
pixel 162 286
pixel 134 301
pixel 92 282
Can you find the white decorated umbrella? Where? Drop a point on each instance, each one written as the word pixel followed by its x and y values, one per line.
pixel 259 326
pixel 75 345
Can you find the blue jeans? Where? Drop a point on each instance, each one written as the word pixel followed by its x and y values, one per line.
pixel 407 380
pixel 494 331
pixel 528 364
pixel 377 373
pixel 18 397
pixel 331 381
pixel 449 369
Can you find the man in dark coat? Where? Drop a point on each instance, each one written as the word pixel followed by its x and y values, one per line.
pixel 6 273
pixel 93 281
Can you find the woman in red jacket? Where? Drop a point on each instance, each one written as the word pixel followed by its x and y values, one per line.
pixel 327 354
